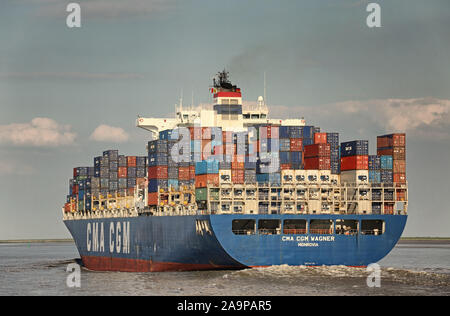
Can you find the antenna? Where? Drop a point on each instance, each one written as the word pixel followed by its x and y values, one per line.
pixel 265 97
pixel 181 100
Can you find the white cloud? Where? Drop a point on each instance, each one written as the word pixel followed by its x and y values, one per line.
pixel 106 133
pixel 40 132
pixel 424 117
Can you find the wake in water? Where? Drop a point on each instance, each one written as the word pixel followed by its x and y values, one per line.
pixel 343 274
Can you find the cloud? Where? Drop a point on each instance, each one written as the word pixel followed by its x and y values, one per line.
pixel 104 8
pixel 427 118
pixel 40 132
pixel 106 133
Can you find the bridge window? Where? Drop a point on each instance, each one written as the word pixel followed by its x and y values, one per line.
pixel 321 226
pixel 269 226
pixel 243 226
pixel 294 226
pixel 347 227
pixel 372 227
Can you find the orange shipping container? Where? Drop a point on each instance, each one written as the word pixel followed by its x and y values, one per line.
pixel 296 144
pixel 191 172
pixel 285 166
pixel 397 153
pixel 196 132
pixel 238 176
pixel 183 173
pixel 122 172
pixel 399 178
pixel 399 166
pixel 203 180
pixel 153 198
pixel 131 161
pixel 320 138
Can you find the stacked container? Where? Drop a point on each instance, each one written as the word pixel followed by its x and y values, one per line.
pixel 333 140
pixel 355 161
pixel 394 145
pixel 317 157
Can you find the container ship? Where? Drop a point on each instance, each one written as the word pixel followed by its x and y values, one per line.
pixel 225 186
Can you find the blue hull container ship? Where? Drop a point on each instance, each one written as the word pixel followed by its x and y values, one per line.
pixel 213 193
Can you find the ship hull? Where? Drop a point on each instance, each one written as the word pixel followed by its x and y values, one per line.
pixel 207 242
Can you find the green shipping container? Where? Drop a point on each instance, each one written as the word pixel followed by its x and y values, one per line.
pixel 201 194
pixel 214 194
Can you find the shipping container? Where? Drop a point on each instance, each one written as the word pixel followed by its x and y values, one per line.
pixel 157 184
pixel 355 163
pixel 285 144
pixel 122 161
pixel 374 162
pixel 355 176
pixel 169 134
pixel 122 172
pixel 153 198
pixel 320 138
pixel 308 132
pixel 158 172
pixel 157 159
pixel 374 176
pixel 399 177
pixel 318 163
pixel 386 176
pixel 284 132
pixel 131 172
pixel 355 148
pixel 317 150
pixel 250 176
pixel 131 161
pixel 201 194
pixel 295 131
pixel 386 162
pixel 397 153
pixel 391 140
pixel 172 172
pixel 238 176
pixel 203 180
pixel 399 166
pixel 206 167
pixel 113 155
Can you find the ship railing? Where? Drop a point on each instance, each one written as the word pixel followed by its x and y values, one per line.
pixel 320 231
pixel 243 232
pixel 294 231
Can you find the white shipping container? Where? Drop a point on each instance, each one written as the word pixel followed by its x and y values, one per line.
pixel 300 176
pixel 355 176
pixel 287 176
pixel 224 176
pixel 312 176
pixel 325 176
pixel 365 207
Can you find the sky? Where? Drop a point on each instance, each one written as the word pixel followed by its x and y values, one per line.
pixel 68 94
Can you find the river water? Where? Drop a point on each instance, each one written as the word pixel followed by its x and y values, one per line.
pixel 412 268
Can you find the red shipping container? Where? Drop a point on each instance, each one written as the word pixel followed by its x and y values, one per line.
pixel 388 208
pixel 122 172
pixel 238 176
pixel 153 198
pixel 317 163
pixel 317 150
pixel 296 144
pixel 203 180
pixel 320 138
pixel 285 166
pixel 183 173
pixel 75 189
pixel 399 178
pixel 157 172
pixel 399 166
pixel 191 172
pixel 397 153
pixel 392 140
pixel 131 161
pixel 355 163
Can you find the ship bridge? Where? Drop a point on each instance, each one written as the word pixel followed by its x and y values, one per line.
pixel 227 112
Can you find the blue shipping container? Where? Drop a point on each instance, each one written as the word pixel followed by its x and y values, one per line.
pixel 386 162
pixel 206 167
pixel 355 148
pixel 374 176
pixel 153 184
